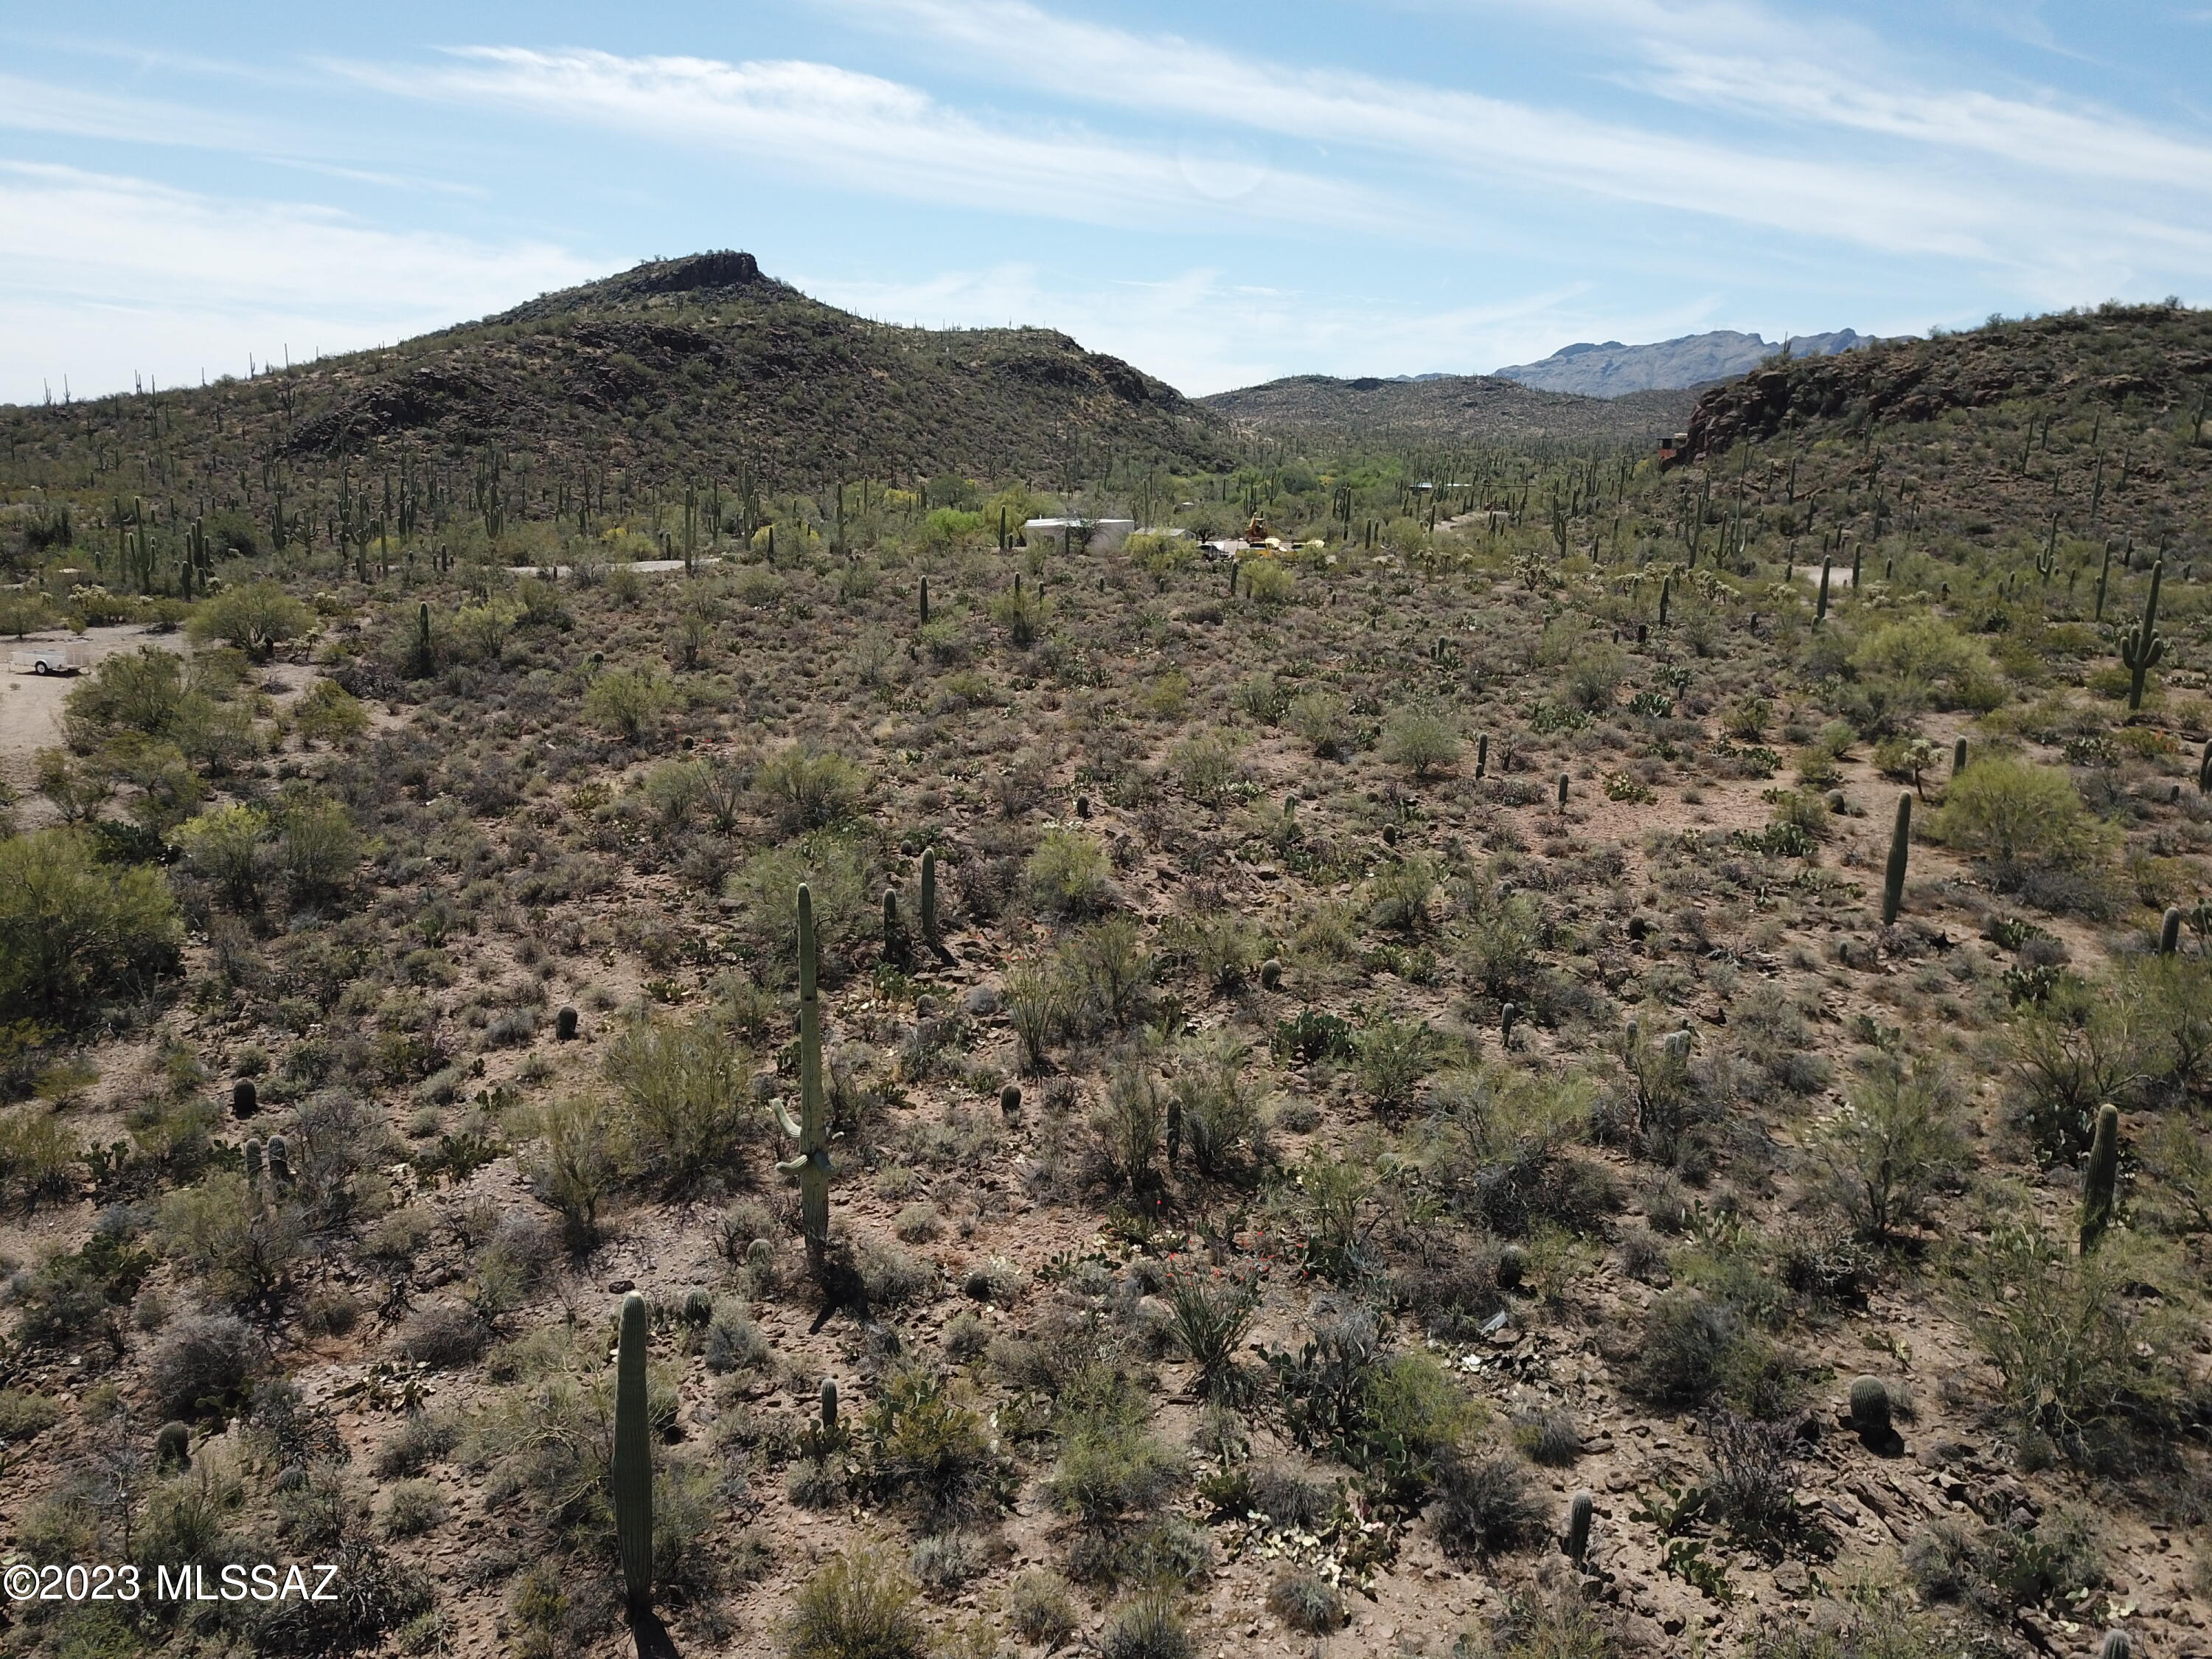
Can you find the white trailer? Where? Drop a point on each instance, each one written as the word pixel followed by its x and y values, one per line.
pixel 69 657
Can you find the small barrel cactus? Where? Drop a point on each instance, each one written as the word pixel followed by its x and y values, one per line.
pixel 1009 1102
pixel 564 1026
pixel 173 1447
pixel 2119 1644
pixel 1870 1405
pixel 245 1098
pixel 1563 792
pixel 1512 1266
pixel 1271 974
pixel 1507 1014
pixel 698 1307
pixel 280 1161
pixel 1580 1508
pixel 829 1405
pixel 254 1163
pixel 2169 931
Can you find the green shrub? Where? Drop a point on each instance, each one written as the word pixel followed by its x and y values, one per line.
pixel 1042 1609
pixel 927 1448
pixel 847 886
pixel 2020 819
pixel 1110 1467
pixel 24 1415
pixel 74 933
pixel 860 1606
pixel 809 788
pixel 256 617
pixel 1146 1627
pixel 1318 719
pixel 1067 874
pixel 1392 1056
pixel 1897 1141
pixel 1306 1601
pixel 628 704
pixel 1420 740
pixel 688 1091
pixel 327 713
pixel 227 848
pixel 39 1154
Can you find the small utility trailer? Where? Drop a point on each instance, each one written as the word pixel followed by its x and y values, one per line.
pixel 61 658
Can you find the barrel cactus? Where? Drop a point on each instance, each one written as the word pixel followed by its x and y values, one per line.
pixel 245 1098
pixel 1869 1400
pixel 173 1447
pixel 564 1026
pixel 1580 1510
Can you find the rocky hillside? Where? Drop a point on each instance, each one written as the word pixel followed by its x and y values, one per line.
pixel 1610 369
pixel 1451 409
pixel 693 368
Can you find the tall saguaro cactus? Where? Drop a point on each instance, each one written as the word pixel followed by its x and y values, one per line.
pixel 2099 1178
pixel 812 1130
pixel 1900 846
pixel 2140 648
pixel 632 1465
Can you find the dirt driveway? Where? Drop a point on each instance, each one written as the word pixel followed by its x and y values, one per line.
pixel 31 704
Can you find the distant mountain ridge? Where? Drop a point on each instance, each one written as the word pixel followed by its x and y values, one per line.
pixel 1609 369
pixel 1446 408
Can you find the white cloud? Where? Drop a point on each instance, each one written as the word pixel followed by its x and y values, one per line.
pixel 101 276
pixel 864 131
pixel 1896 202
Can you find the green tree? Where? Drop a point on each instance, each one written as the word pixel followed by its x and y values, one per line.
pixel 256 617
pixel 2021 818
pixel 1891 1146
pixel 226 847
pixel 628 704
pixel 74 931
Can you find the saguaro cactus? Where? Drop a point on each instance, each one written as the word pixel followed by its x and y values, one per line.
pixel 894 934
pixel 1482 756
pixel 2204 772
pixel 925 600
pixel 2140 648
pixel 2098 1180
pixel 1958 757
pixel 929 894
pixel 254 1163
pixel 633 1464
pixel 1820 605
pixel 1666 593
pixel 2169 931
pixel 811 1131
pixel 1563 792
pixel 1580 1507
pixel 1900 846
pixel 245 1098
pixel 2104 576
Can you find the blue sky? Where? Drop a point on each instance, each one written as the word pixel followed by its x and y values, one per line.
pixel 1220 192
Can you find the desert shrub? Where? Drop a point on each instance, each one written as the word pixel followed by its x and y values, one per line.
pixel 1498 950
pixel 39 1154
pixel 1146 1627
pixel 74 933
pixel 444 1336
pixel 1207 768
pixel 1754 1483
pixel 2069 1054
pixel 892 1277
pixel 1318 718
pixel 318 846
pixel 628 703
pixel 1922 660
pixel 374 1594
pixel 202 1364
pixel 580 1159
pixel 225 848
pixel 1871 1622
pixel 243 1251
pixel 1391 1057
pixel 23 1415
pixel 1067 874
pixel 2000 1569
pixel 1041 1607
pixel 2080 1357
pixel 1397 896
pixel 810 788
pixel 421 1440
pixel 1111 1466
pixel 733 1342
pixel 1420 739
pixel 945 1562
pixel 412 1508
pixel 1697 1348
pixel 1486 1504
pixel 327 713
pixel 1220 1109
pixel 255 617
pixel 928 1448
pixel 1549 1436
pixel 860 1606
pixel 1891 1146
pixel 1269 583
pixel 2020 820
pixel 848 893
pixel 1130 1123
pixel 1208 1314
pixel 1221 947
pixel 687 1089
pixel 1108 969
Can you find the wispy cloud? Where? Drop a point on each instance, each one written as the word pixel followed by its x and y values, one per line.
pixel 101 275
pixel 1893 202
pixel 865 131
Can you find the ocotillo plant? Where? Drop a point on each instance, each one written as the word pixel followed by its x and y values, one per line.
pixel 811 1131
pixel 2142 649
pixel 2169 931
pixel 2098 1180
pixel 633 1461
pixel 1580 1507
pixel 1900 843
